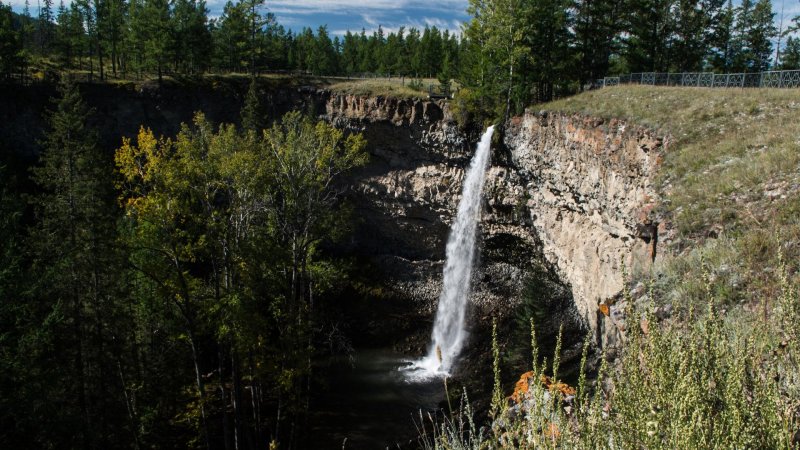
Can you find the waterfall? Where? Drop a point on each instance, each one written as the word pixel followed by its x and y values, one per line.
pixel 449 334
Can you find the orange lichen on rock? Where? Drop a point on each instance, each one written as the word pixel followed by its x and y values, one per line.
pixel 522 387
pixel 564 388
pixel 603 309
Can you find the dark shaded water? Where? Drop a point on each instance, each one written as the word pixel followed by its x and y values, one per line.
pixel 369 402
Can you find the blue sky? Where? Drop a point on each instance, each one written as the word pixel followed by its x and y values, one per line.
pixel 341 15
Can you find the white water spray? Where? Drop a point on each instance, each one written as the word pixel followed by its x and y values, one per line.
pixel 448 330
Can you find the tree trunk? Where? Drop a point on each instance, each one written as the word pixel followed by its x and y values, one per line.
pixel 226 419
pixel 200 388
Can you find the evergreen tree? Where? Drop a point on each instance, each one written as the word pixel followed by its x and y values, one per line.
pixel 694 34
pixel 760 36
pixel 721 39
pixel 597 24
pixel 650 29
pixel 77 266
pixel 256 22
pixel 252 117
pixel 548 38
pixel 11 49
pixel 191 37
pixel 323 59
pixel 349 54
pixel 790 57
pixel 157 40
pixel 45 26
pixel 753 33
pixel 741 53
pixel 232 37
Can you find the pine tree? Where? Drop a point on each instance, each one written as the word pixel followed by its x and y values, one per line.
pixel 252 118
pixel 231 37
pixel 790 57
pixel 256 22
pixel 597 23
pixel 650 27
pixel 11 49
pixel 157 40
pixel 721 39
pixel 46 26
pixel 694 35
pixel 77 269
pixel 760 35
pixel 549 38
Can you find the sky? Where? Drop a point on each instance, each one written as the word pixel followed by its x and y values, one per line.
pixel 343 15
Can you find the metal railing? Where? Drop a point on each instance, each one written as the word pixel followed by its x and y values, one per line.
pixel 770 79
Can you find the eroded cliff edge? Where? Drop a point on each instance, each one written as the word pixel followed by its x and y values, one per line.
pixel 591 199
pixel 575 194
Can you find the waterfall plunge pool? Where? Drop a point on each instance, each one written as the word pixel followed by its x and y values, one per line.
pixel 370 401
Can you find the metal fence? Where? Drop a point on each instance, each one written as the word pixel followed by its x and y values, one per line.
pixel 771 79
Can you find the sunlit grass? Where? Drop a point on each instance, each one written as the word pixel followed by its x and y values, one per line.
pixel 730 183
pixel 384 87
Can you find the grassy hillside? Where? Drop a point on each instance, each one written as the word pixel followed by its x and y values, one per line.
pixel 730 183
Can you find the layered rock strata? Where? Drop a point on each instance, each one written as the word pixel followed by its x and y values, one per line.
pixel 578 194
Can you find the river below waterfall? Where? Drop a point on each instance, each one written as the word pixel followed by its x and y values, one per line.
pixel 370 402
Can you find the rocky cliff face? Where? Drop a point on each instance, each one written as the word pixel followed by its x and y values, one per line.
pixel 590 198
pixel 576 197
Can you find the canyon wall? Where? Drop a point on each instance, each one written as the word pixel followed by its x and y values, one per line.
pixel 590 195
pixel 572 193
pixel 566 195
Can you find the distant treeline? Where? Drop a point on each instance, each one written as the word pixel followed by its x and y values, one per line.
pixel 557 45
pixel 130 38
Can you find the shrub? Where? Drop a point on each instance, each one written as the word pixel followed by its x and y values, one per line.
pixel 697 381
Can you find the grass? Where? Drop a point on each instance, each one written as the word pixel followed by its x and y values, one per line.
pixel 384 87
pixel 730 184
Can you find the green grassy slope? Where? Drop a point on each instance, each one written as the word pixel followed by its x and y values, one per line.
pixel 730 183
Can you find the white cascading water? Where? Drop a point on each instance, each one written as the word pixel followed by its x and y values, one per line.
pixel 449 332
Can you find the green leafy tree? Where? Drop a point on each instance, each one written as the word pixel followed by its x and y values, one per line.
pixel 226 228
pixel 498 48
